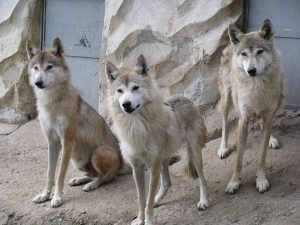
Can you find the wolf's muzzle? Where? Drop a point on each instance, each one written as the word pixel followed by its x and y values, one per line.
pixel 128 108
pixel 39 84
pixel 252 72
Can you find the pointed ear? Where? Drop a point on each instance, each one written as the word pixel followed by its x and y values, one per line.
pixel 112 72
pixel 31 50
pixel 141 66
pixel 266 30
pixel 235 34
pixel 57 47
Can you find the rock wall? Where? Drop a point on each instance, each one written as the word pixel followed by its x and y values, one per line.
pixel 19 20
pixel 181 40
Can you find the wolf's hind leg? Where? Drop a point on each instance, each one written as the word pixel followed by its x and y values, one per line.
pixel 196 163
pixel 106 162
pixel 165 182
pixel 273 142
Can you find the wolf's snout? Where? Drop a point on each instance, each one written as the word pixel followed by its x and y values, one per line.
pixel 39 84
pixel 252 72
pixel 127 107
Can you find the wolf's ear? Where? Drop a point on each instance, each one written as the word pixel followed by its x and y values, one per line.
pixel 112 71
pixel 31 50
pixel 235 34
pixel 266 30
pixel 141 66
pixel 57 47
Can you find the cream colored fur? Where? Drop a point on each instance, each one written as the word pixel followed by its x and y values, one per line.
pixel 71 125
pixel 151 131
pixel 252 80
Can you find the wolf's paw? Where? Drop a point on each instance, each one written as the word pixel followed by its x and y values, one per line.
pixel 262 184
pixel 232 187
pixel 202 205
pixel 40 198
pixel 90 187
pixel 223 152
pixel 56 201
pixel 137 221
pixel 273 143
pixel 76 181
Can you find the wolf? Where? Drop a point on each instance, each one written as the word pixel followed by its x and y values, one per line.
pixel 70 124
pixel 150 130
pixel 251 78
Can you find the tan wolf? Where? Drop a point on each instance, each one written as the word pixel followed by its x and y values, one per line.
pixel 70 124
pixel 252 79
pixel 150 130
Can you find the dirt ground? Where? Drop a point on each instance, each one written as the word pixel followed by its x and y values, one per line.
pixel 23 164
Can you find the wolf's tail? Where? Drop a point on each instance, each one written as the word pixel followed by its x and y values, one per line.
pixel 190 168
pixel 196 141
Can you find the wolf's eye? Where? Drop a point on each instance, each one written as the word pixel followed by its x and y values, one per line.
pixel 260 52
pixel 135 88
pixel 49 67
pixel 35 68
pixel 120 90
pixel 244 54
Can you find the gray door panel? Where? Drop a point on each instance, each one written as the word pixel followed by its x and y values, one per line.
pixel 285 16
pixel 78 23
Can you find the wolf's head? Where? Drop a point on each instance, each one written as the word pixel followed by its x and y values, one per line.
pixel 130 90
pixel 47 68
pixel 252 51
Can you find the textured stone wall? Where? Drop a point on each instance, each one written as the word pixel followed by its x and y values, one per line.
pixel 19 20
pixel 181 40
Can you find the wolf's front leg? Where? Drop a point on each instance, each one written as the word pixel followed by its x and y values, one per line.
pixel 225 103
pixel 139 179
pixel 262 183
pixel 153 184
pixel 234 183
pixel 53 152
pixel 68 143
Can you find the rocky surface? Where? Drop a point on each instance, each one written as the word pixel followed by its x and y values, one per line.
pixel 181 41
pixel 19 21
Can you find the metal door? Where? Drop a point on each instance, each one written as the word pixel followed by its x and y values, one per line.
pixel 78 23
pixel 285 16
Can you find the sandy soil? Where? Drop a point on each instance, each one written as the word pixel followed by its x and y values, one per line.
pixel 23 164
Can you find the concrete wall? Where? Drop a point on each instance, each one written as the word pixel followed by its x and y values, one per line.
pixel 181 40
pixel 19 21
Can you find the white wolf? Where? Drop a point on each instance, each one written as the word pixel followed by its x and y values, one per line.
pixel 68 122
pixel 252 78
pixel 150 130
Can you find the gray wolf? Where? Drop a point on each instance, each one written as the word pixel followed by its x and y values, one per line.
pixel 70 124
pixel 251 78
pixel 150 130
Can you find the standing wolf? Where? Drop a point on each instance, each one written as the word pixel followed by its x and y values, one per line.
pixel 68 122
pixel 252 78
pixel 150 130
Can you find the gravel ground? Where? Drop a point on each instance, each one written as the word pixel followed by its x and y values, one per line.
pixel 23 164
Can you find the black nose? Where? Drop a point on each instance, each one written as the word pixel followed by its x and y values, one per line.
pixel 126 105
pixel 39 84
pixel 252 72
